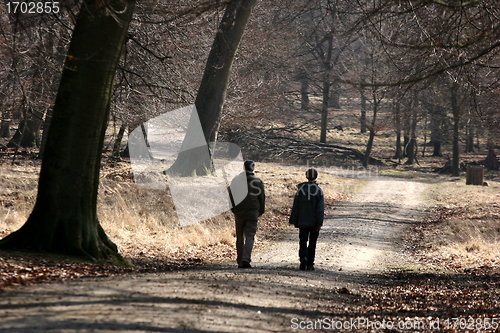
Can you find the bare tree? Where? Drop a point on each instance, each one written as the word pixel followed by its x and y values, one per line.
pixel 212 92
pixel 64 218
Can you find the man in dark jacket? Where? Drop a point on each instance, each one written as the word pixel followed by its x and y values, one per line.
pixel 250 204
pixel 307 215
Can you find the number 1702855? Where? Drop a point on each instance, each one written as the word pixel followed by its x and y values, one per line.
pixel 40 7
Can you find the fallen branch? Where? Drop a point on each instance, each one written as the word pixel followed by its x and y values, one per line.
pixel 356 152
pixel 279 145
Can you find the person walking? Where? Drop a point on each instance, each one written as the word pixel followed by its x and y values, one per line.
pixel 248 191
pixel 308 212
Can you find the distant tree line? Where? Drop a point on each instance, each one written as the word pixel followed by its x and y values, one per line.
pixel 433 63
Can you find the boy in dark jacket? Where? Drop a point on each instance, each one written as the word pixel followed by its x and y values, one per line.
pixel 307 215
pixel 247 211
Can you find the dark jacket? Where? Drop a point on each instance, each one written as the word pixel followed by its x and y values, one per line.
pixel 308 206
pixel 254 202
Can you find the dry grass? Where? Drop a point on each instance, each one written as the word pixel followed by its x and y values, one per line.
pixel 464 231
pixel 18 186
pixel 143 223
pixel 138 220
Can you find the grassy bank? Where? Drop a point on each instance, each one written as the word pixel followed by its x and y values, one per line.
pixel 462 231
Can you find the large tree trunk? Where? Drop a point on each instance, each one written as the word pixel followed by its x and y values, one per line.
pixel 64 218
pixel 456 128
pixel 212 91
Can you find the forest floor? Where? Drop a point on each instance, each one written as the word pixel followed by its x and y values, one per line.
pixel 371 273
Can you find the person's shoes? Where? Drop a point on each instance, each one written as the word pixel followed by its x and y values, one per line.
pixel 310 267
pixel 245 264
pixel 303 264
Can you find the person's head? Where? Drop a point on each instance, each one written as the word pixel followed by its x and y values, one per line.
pixel 311 174
pixel 249 166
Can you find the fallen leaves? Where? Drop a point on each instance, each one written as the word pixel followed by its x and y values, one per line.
pixel 22 269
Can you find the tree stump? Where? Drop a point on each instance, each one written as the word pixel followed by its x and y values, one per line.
pixel 475 175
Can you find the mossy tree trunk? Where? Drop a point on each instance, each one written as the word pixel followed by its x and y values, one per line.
pixel 213 88
pixel 64 219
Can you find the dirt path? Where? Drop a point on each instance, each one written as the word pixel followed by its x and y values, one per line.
pixel 359 240
pixel 359 235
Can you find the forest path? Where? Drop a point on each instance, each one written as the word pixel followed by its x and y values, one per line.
pixel 360 239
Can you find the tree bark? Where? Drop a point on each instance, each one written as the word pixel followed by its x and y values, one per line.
pixel 334 101
pixel 46 126
pixel 397 116
pixel 412 144
pixel 406 133
pixel 437 148
pixel 304 93
pixel 212 92
pixel 118 141
pixel 27 134
pixel 324 110
pixel 438 126
pixel 456 129
pixel 326 58
pixel 369 145
pixel 491 161
pixel 64 219
pixel 5 126
pixel 362 119
pixel 469 140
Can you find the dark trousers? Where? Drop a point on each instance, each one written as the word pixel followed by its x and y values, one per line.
pixel 308 251
pixel 245 233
